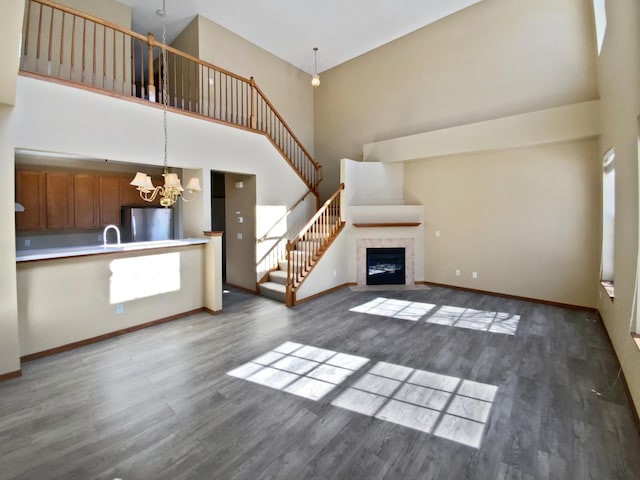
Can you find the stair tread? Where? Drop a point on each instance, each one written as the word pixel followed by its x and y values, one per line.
pixel 274 291
pixel 273 286
pixel 278 276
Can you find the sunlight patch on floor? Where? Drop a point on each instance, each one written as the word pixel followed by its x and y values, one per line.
pixel 389 307
pixel 482 320
pixel 445 406
pixel 494 322
pixel 302 370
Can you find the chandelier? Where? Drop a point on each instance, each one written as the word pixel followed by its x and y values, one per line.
pixel 315 80
pixel 172 188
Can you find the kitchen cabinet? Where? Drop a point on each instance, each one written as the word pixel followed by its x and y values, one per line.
pixel 85 200
pixel 109 200
pixel 30 194
pixel 59 200
pixel 68 200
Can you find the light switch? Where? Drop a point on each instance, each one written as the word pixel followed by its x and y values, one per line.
pixel 437 233
pixel 239 236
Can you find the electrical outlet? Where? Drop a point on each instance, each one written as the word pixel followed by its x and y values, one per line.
pixel 239 236
pixel 437 233
pixel 474 274
pixel 27 242
pixel 457 273
pixel 100 237
pixel 119 308
pixel 335 273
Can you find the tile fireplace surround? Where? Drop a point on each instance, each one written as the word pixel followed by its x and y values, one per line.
pixel 409 256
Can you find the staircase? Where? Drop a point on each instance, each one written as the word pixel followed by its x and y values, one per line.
pixel 304 252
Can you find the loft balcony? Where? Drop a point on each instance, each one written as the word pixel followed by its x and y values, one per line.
pixel 64 45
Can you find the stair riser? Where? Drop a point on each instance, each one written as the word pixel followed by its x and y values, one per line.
pixel 279 276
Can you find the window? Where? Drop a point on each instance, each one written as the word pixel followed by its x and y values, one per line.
pixel 600 14
pixel 608 219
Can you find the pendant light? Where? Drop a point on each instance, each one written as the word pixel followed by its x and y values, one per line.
pixel 315 80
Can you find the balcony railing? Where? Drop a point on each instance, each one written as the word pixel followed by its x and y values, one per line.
pixel 72 46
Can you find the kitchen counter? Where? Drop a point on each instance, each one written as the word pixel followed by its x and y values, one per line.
pixel 54 253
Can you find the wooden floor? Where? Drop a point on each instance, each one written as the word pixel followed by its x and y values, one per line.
pixel 393 397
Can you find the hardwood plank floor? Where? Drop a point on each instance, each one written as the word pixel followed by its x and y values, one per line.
pixel 421 385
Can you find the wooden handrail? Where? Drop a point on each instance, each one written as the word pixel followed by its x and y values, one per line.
pixel 273 247
pixel 288 212
pixel 317 215
pixel 286 126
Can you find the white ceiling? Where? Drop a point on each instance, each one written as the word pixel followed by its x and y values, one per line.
pixel 289 29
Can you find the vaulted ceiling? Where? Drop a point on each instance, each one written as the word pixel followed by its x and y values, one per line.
pixel 289 29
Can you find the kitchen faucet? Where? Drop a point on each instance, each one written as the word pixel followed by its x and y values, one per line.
pixel 104 235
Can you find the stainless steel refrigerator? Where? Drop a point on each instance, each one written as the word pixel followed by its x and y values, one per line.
pixel 143 224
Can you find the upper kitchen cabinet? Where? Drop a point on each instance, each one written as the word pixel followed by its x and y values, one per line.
pixel 85 200
pixel 30 194
pixel 74 200
pixel 59 201
pixel 109 200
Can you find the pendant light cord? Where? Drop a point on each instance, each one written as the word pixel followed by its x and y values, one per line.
pixel 164 80
pixel 315 60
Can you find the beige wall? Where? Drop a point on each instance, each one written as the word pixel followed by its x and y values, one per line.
pixel 287 88
pixel 10 30
pixel 619 76
pixel 188 40
pixel 240 253
pixel 526 220
pixel 58 306
pixel 551 125
pixel 493 59
pixel 10 33
pixel 9 350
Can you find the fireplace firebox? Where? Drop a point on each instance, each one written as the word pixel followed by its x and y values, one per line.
pixel 385 266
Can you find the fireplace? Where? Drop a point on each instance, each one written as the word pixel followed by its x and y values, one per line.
pixel 385 266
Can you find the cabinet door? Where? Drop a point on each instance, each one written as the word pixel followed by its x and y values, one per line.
pixel 59 199
pixel 85 200
pixel 109 200
pixel 30 194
